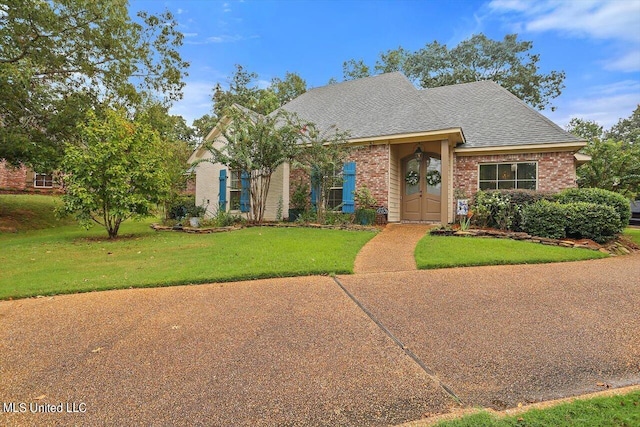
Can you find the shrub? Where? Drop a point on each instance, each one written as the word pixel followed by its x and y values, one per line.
pixel 598 196
pixel 492 209
pixel 364 198
pixel 337 218
pixel 180 207
pixel 365 216
pixel 544 219
pixel 597 222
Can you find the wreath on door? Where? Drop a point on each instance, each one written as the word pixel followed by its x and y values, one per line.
pixel 434 178
pixel 412 178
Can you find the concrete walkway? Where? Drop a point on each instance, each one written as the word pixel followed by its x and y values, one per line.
pixel 391 250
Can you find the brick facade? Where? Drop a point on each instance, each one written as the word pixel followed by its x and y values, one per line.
pixel 20 180
pixel 372 171
pixel 556 171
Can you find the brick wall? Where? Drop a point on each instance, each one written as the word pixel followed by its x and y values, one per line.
pixel 372 171
pixel 556 171
pixel 12 178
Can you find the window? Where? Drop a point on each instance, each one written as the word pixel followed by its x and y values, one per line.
pixel 335 192
pixel 506 176
pixel 235 189
pixel 43 180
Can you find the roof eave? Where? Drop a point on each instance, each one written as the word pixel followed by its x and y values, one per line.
pixel 528 148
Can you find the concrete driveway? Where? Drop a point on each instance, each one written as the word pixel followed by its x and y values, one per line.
pixel 300 351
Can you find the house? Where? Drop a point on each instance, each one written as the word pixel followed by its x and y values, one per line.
pixel 25 180
pixel 418 150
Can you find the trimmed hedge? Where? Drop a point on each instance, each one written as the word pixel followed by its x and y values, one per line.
pixel 545 219
pixel 600 197
pixel 503 208
pixel 597 222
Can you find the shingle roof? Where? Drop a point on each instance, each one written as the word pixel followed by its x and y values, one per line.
pixel 389 104
pixel 491 116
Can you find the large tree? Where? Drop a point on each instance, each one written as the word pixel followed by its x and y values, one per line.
pixel 508 62
pixel 614 164
pixel 60 59
pixel 626 130
pixel 256 145
pixel 243 90
pixel 117 171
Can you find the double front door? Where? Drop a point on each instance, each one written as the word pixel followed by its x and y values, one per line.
pixel 421 188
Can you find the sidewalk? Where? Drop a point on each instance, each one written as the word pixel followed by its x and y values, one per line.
pixel 391 250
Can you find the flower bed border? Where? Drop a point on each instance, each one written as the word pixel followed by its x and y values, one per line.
pixel 618 246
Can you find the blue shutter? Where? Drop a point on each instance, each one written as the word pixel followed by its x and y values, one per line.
pixel 315 183
pixel 244 193
pixel 222 198
pixel 348 187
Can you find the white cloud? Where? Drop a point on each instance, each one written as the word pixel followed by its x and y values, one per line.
pixel 225 38
pixel 615 21
pixel 604 104
pixel 196 100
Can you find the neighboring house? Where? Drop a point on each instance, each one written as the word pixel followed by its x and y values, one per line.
pixel 25 180
pixel 414 149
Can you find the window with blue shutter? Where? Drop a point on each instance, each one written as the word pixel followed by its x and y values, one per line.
pixel 244 193
pixel 222 198
pixel 348 187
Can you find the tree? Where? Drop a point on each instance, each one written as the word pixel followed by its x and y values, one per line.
pixel 257 145
pixel 288 89
pixel 322 157
pixel 614 164
pixel 116 172
pixel 626 130
pixel 178 141
pixel 508 62
pixel 353 69
pixel 59 59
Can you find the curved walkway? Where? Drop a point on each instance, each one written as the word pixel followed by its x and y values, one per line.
pixel 391 250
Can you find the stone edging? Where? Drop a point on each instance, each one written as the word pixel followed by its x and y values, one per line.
pixel 209 230
pixel 614 248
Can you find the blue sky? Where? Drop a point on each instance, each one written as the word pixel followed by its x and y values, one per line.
pixel 597 43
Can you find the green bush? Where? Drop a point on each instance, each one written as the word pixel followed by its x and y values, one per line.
pixel 337 218
pixel 180 207
pixel 545 219
pixel 365 216
pixel 597 222
pixel 492 209
pixel 600 197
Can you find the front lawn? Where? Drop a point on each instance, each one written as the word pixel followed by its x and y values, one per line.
pixel 69 259
pixel 443 251
pixel 633 234
pixel 613 411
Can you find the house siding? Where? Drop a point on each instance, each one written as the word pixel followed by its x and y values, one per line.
pixel 20 180
pixel 556 170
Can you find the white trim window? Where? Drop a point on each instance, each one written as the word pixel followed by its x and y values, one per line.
pixel 508 176
pixel 336 190
pixel 43 180
pixel 235 189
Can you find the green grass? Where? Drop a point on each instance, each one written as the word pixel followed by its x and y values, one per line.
pixel 613 411
pixel 70 259
pixel 442 252
pixel 44 256
pixel 633 234
pixel 20 212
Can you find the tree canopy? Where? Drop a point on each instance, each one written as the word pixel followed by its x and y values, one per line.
pixel 615 155
pixel 244 91
pixel 60 59
pixel 508 62
pixel 116 172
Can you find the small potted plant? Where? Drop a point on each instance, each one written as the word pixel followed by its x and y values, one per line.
pixel 366 212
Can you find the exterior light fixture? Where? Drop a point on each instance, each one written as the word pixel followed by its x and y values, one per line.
pixel 418 153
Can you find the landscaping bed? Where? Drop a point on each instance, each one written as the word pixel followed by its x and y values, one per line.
pixel 619 246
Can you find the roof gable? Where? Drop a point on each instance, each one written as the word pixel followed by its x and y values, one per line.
pixel 386 104
pixel 491 116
